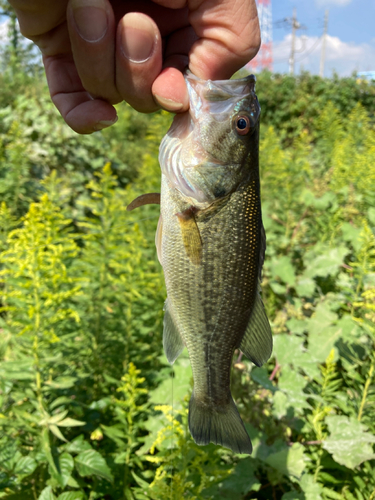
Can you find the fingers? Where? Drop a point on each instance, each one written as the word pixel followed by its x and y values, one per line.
pixel 115 64
pixel 229 37
pixel 169 88
pixel 226 36
pixel 80 111
pixel 138 60
pixel 92 29
pixel 38 16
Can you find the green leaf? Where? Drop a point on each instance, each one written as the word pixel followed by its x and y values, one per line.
pixel 90 463
pixel 238 484
pixel 305 287
pixel 56 431
pixel 297 326
pixel 17 370
pixel 56 418
pixel 289 350
pixel 181 385
pixel 288 461
pixel 293 383
pixel 260 375
pixel 25 466
pixel 47 494
pixel 285 347
pixel 64 468
pixel 70 422
pixel 47 448
pixel 327 264
pixel 277 288
pixel 71 495
pixel 323 335
pixel 311 489
pixel 351 234
pixel 320 345
pixel 371 215
pixel 282 268
pixel 62 382
pixel 141 482
pixel 293 495
pixel 280 404
pixel 62 400
pixel 78 445
pixel 322 318
pixel 349 441
pixel 332 494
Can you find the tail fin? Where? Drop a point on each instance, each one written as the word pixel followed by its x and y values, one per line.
pixel 221 426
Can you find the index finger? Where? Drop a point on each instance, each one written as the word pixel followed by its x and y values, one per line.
pixel 44 22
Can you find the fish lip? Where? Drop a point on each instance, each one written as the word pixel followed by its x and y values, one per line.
pixel 247 79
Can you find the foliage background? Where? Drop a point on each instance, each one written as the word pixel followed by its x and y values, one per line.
pixel 89 407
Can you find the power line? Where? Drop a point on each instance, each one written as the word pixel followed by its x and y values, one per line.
pixel 311 49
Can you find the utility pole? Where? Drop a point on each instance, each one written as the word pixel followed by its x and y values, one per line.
pixel 323 53
pixel 295 26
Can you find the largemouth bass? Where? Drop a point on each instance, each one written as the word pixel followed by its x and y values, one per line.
pixel 211 244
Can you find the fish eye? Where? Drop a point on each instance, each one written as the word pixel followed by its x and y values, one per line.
pixel 242 125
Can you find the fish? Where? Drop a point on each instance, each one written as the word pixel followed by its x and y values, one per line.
pixel 211 244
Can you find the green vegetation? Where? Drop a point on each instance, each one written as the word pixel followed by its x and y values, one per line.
pixel 88 406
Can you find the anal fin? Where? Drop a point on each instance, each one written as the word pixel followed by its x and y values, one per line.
pixel 257 341
pixel 172 341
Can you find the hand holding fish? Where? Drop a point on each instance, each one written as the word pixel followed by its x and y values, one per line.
pixel 100 52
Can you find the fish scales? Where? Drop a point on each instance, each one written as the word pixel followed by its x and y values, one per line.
pixel 212 302
pixel 211 243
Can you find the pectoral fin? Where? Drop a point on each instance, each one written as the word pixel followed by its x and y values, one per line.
pixel 257 341
pixel 172 341
pixel 190 235
pixel 144 199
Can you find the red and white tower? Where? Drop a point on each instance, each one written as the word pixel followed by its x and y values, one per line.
pixel 264 58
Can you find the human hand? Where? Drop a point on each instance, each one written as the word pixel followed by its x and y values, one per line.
pixel 97 53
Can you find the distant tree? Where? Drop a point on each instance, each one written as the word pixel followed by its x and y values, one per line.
pixel 17 55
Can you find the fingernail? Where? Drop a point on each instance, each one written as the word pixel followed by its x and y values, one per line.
pixel 138 37
pixel 168 104
pixel 105 123
pixel 91 20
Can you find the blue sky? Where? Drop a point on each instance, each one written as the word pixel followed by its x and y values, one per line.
pixel 351 35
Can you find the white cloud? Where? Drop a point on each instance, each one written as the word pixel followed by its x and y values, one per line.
pixel 342 57
pixel 329 3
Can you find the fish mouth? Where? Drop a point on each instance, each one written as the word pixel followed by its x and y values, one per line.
pixel 218 90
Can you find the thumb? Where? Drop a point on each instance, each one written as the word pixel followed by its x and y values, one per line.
pixel 229 37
